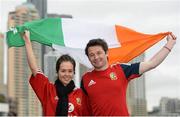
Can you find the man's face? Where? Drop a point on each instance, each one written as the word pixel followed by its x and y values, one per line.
pixel 98 57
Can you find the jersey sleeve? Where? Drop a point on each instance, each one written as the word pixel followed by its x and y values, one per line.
pixel 39 83
pixel 131 71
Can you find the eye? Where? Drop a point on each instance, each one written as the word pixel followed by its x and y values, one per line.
pixel 91 55
pixel 70 71
pixel 99 53
pixel 62 70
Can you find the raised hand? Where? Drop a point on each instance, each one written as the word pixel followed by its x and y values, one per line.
pixel 171 41
pixel 26 36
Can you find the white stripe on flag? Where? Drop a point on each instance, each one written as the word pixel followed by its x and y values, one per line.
pixel 78 33
pixel 77 54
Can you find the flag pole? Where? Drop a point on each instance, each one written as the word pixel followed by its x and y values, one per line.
pixel 5 58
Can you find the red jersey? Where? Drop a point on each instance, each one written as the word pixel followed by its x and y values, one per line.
pixel 46 92
pixel 107 89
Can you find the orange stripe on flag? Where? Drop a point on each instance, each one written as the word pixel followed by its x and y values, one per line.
pixel 132 44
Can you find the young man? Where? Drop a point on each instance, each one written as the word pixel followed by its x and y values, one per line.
pixel 106 85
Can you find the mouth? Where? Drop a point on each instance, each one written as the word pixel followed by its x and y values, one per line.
pixel 97 62
pixel 67 78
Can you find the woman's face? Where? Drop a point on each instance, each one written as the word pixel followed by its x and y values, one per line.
pixel 66 72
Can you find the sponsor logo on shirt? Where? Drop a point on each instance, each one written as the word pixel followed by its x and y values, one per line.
pixel 70 107
pixel 78 101
pixel 113 76
pixel 92 82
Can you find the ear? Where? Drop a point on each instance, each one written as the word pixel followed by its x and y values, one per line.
pixel 107 54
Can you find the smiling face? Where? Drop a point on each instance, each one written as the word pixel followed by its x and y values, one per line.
pixel 97 52
pixel 66 72
pixel 65 69
pixel 98 57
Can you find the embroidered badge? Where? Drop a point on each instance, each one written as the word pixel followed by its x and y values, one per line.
pixel 70 107
pixel 113 76
pixel 78 101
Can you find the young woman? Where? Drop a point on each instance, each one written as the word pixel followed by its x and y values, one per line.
pixel 60 98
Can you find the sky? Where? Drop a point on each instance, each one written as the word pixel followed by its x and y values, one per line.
pixel 152 16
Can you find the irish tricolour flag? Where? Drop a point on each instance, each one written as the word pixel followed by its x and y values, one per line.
pixel 69 36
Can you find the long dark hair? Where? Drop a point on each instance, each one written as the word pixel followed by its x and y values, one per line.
pixel 63 91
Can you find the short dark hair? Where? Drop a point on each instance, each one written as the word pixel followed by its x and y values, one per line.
pixel 65 58
pixel 96 42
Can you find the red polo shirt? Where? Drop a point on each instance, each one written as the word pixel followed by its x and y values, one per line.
pixel 46 92
pixel 107 89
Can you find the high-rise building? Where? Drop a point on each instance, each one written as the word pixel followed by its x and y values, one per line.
pixel 169 105
pixel 19 90
pixel 41 6
pixel 50 65
pixel 3 87
pixel 136 96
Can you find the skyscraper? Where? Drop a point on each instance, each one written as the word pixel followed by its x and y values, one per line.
pixel 136 96
pixel 50 65
pixel 18 70
pixel 41 6
pixel 169 106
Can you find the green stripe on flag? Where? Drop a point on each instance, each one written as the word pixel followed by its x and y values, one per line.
pixel 45 31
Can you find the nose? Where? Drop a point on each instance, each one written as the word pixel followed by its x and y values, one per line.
pixel 95 56
pixel 67 73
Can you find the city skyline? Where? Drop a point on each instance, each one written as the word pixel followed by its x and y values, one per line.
pixel 163 19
